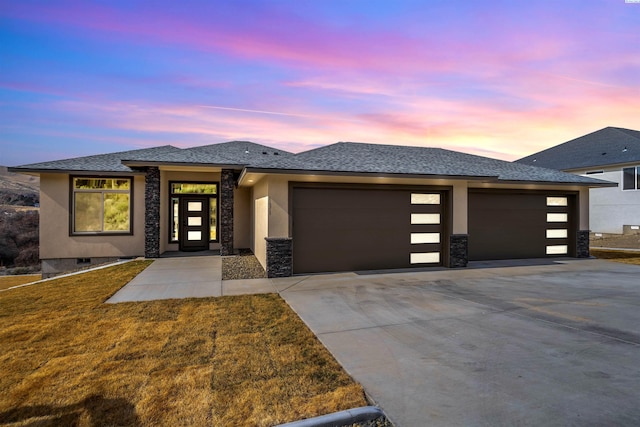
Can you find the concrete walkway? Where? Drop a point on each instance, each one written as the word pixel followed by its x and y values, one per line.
pixel 187 277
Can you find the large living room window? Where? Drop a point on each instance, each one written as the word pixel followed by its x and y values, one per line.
pixel 101 205
pixel 631 178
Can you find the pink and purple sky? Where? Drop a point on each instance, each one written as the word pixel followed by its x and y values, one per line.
pixel 502 79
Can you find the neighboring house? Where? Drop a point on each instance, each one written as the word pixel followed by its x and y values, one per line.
pixel 343 207
pixel 611 154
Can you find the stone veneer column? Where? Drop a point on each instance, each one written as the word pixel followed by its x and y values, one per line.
pixel 458 250
pixel 582 246
pixel 152 213
pixel 279 256
pixel 227 186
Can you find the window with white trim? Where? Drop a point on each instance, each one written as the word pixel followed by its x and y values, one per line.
pixel 101 205
pixel 631 178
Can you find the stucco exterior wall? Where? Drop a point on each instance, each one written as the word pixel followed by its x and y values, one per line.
pixel 260 198
pixel 278 206
pixel 584 198
pixel 460 208
pixel 612 208
pixel 242 218
pixel 55 241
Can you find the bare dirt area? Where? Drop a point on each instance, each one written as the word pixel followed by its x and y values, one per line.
pixel 621 241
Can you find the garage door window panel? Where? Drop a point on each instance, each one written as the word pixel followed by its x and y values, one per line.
pixel 425 218
pixel 557 250
pixel 419 238
pixel 425 199
pixel 559 233
pixel 557 217
pixel 425 258
pixel 557 201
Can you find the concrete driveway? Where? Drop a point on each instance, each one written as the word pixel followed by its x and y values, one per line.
pixel 538 345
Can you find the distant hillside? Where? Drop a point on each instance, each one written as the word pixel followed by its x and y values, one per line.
pixel 17 189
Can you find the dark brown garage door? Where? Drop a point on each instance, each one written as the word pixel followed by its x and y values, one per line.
pixel 509 225
pixel 346 229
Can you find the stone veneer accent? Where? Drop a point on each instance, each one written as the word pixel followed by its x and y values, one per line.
pixel 227 185
pixel 152 213
pixel 458 250
pixel 582 246
pixel 279 256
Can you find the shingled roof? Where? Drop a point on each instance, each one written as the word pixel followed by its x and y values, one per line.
pixel 111 162
pixel 340 158
pixel 234 153
pixel 608 146
pixel 359 158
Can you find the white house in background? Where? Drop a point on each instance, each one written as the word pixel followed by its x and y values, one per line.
pixel 611 154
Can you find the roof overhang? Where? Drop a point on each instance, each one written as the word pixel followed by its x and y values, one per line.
pixel 253 174
pixel 29 171
pixel 601 184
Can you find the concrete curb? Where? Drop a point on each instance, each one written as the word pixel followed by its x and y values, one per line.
pixel 340 419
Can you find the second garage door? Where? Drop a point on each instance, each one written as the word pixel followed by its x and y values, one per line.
pixel 512 225
pixel 346 229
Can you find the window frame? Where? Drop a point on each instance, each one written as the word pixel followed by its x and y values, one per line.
pixel 636 178
pixel 173 195
pixel 72 199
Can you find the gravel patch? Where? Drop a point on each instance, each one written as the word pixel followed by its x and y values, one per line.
pixel 378 422
pixel 242 266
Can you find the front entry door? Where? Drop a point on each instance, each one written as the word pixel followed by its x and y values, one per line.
pixel 195 224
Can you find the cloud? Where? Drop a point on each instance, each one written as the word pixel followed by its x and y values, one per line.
pixel 245 110
pixel 504 79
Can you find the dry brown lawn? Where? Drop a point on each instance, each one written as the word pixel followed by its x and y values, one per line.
pixel 69 359
pixel 627 257
pixel 10 281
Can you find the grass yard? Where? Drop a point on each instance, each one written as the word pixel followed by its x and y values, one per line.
pixel 10 281
pixel 69 359
pixel 627 257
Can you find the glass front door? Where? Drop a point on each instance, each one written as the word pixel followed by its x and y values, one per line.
pixel 194 223
pixel 193 216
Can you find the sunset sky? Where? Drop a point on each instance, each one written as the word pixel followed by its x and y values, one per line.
pixel 497 78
